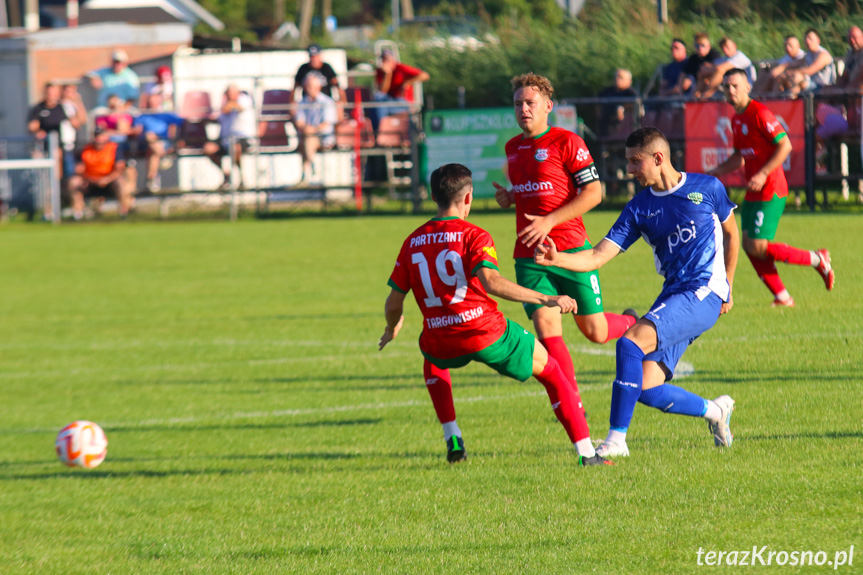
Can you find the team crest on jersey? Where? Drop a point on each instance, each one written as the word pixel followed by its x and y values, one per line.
pixel 541 155
pixel 696 197
pixel 745 129
pixel 490 251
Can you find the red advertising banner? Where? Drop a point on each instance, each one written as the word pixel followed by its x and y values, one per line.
pixel 709 140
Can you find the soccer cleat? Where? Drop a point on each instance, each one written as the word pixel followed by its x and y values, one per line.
pixel 721 429
pixel 632 313
pixel 595 460
pixel 783 303
pixel 825 269
pixel 612 449
pixel 455 451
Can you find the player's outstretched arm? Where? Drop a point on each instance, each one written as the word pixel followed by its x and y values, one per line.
pixel 504 197
pixel 584 261
pixel 540 226
pixel 497 285
pixel 393 312
pixel 731 245
pixel 734 162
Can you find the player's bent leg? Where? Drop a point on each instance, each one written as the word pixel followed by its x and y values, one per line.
pixel 549 330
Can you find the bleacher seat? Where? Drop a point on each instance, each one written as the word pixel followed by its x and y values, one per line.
pixel 345 134
pixel 197 106
pixel 394 131
pixel 277 102
pixel 273 134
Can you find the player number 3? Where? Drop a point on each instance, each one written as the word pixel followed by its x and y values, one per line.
pixel 457 278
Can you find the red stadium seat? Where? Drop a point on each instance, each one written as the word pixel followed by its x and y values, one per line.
pixel 273 133
pixel 394 131
pixel 345 134
pixel 277 103
pixel 196 106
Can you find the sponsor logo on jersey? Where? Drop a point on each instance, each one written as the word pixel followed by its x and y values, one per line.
pixel 532 187
pixel 747 152
pixel 745 129
pixel 527 147
pixel 681 236
pixel 772 126
pixel 490 251
pixel 695 197
pixel 512 157
pixel 541 154
pixel 653 214
pixel 582 155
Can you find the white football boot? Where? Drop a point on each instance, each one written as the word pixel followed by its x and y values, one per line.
pixel 721 429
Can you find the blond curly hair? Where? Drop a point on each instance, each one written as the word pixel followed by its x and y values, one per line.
pixel 530 80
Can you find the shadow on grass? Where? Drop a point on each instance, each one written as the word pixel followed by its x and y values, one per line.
pixel 801 436
pixel 186 428
pixel 701 376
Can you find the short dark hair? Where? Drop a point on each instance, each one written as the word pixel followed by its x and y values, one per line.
pixel 446 183
pixel 678 41
pixel 812 31
pixel 735 72
pixel 646 138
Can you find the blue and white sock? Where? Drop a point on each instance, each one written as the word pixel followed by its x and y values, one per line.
pixel 672 399
pixel 627 385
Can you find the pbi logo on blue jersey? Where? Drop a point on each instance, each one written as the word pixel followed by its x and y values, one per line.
pixel 681 236
pixel 541 155
pixel 695 197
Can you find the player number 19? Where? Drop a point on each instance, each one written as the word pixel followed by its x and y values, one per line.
pixel 457 278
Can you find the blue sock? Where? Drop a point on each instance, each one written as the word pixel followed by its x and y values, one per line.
pixel 627 385
pixel 672 399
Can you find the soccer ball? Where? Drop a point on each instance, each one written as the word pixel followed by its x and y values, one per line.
pixel 81 444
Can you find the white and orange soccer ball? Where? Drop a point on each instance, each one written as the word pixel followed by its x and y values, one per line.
pixel 82 444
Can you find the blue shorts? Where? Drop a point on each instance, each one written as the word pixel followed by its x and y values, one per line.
pixel 679 319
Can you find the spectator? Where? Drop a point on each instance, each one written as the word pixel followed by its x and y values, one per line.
pixel 851 79
pixel 621 98
pixel 75 110
pixel 391 79
pixel 815 71
pixel 711 74
pixel 315 120
pixel 771 80
pixel 100 174
pixel 117 122
pixel 46 118
pixel 316 64
pixel 163 87
pixel 117 79
pixel 704 53
pixel 237 122
pixel 156 131
pixel 671 72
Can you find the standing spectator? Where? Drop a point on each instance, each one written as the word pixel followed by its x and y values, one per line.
pixel 711 74
pixel 156 131
pixel 316 64
pixel 815 71
pixel 75 110
pixel 46 118
pixel 621 98
pixel 852 76
pixel 237 122
pixel 391 79
pixel 117 79
pixel 760 148
pixel 163 87
pixel 771 79
pixel 99 174
pixel 704 53
pixel 316 119
pixel 672 71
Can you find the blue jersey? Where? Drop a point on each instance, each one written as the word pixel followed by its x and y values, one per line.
pixel 683 226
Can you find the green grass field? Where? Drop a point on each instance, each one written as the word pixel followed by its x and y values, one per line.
pixel 255 428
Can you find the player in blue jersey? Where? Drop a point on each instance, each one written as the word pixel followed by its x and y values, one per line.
pixel 688 220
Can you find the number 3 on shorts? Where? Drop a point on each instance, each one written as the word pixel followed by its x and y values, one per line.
pixel 759 218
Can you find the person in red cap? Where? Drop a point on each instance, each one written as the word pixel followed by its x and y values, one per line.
pixel 163 87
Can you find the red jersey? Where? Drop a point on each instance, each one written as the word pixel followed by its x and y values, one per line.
pixel 546 172
pixel 401 74
pixel 756 132
pixel 438 261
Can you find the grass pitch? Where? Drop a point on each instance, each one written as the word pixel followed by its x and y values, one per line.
pixel 254 427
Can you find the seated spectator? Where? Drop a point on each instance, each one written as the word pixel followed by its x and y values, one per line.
pixel 316 64
pixel 117 121
pixel 46 118
pixel 315 119
pixel 156 131
pixel 622 98
pixel 704 54
pixel 163 87
pixel 237 123
pixel 391 79
pixel 117 79
pixel 75 110
pixel 851 79
pixel 671 72
pixel 814 72
pixel 769 80
pixel 710 75
pixel 100 174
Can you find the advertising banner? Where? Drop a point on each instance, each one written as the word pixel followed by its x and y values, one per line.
pixel 709 140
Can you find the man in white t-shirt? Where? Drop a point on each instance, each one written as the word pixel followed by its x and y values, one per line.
pixel 237 123
pixel 815 71
pixel 710 76
pixel 769 80
pixel 315 119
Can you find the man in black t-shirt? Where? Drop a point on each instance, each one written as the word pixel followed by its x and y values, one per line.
pixel 48 115
pixel 704 53
pixel 316 64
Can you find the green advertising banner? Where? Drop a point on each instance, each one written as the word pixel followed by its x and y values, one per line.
pixel 476 138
